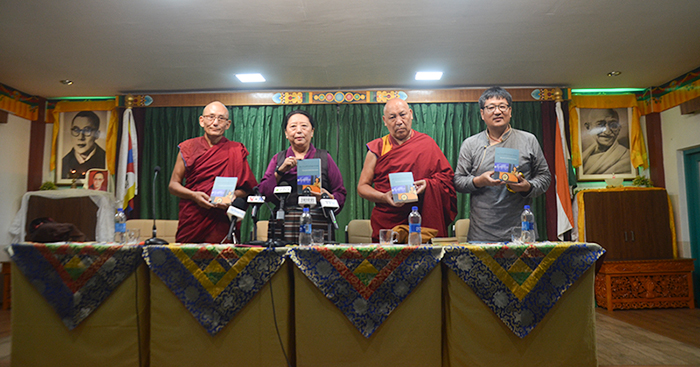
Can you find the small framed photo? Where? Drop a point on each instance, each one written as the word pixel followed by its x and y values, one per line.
pixel 604 140
pixel 97 179
pixel 80 146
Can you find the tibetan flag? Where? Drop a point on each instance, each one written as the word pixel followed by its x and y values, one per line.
pixel 127 181
pixel 565 216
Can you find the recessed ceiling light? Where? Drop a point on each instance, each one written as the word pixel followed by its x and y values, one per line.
pixel 250 78
pixel 428 75
pixel 66 82
pixel 614 73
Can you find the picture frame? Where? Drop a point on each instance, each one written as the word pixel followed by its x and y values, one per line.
pixel 89 144
pixel 604 143
pixel 97 179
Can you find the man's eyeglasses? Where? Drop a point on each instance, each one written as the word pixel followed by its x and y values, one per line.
pixel 210 118
pixel 612 125
pixel 492 108
pixel 87 131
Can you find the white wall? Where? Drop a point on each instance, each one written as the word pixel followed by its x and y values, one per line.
pixel 14 140
pixel 679 133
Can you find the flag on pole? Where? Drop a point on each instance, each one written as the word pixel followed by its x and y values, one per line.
pixel 565 216
pixel 127 180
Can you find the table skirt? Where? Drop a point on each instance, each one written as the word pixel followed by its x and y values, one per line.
pixel 115 334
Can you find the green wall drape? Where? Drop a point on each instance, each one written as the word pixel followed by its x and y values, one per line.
pixel 343 130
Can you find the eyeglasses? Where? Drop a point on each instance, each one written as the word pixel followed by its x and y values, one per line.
pixel 612 125
pixel 492 108
pixel 210 118
pixel 87 131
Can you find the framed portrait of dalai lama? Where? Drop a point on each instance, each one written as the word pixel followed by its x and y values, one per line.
pixel 604 135
pixel 80 144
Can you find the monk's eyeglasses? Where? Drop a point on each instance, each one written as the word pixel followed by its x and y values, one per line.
pixel 210 118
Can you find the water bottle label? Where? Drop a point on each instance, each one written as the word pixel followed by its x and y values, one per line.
pixel 305 228
pixel 414 228
pixel 119 227
pixel 528 226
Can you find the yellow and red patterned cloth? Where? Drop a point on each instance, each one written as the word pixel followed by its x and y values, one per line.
pixel 519 283
pixel 75 278
pixel 214 282
pixel 366 282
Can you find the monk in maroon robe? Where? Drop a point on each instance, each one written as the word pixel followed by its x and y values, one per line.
pixel 200 161
pixel 406 150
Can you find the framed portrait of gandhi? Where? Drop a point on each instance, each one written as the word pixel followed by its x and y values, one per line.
pixel 604 140
pixel 80 145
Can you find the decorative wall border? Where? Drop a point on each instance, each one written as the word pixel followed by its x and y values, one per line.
pixel 336 97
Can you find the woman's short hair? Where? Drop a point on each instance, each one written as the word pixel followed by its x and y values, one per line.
pixel 298 112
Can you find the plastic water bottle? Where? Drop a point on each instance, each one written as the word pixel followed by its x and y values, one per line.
pixel 414 230
pixel 120 226
pixel 305 228
pixel 528 225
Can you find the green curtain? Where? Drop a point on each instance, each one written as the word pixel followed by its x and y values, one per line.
pixel 343 130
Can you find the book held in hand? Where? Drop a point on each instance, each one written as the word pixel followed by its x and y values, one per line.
pixel 506 164
pixel 309 175
pixel 403 188
pixel 223 191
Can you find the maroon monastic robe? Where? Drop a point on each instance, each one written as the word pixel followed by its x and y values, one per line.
pixel 202 165
pixel 422 156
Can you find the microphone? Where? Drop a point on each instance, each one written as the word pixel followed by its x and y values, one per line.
pixel 154 240
pixel 329 205
pixel 282 191
pixel 305 199
pixel 235 211
pixel 256 200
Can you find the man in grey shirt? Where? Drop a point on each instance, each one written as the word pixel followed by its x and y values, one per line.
pixel 495 206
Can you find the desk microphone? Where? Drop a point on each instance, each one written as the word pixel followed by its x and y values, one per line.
pixel 236 211
pixel 154 240
pixel 282 192
pixel 329 205
pixel 306 199
pixel 256 200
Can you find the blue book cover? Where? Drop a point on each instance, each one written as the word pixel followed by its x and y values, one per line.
pixel 309 175
pixel 506 164
pixel 402 188
pixel 223 190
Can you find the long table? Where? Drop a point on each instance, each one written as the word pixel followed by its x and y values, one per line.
pixel 334 305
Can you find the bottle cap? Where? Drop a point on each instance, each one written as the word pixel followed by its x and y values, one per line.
pixel 414 208
pixel 306 210
pixel 527 207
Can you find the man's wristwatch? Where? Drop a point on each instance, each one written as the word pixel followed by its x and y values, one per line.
pixel 279 172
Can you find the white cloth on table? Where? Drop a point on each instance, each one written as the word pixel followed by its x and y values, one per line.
pixel 104 228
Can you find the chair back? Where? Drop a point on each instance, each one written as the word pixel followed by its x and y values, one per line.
pixel 461 229
pixel 166 228
pixel 358 231
pixel 262 230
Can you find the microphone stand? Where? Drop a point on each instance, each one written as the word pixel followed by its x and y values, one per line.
pixel 274 241
pixel 154 240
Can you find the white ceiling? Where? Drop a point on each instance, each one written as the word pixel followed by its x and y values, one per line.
pixel 112 47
